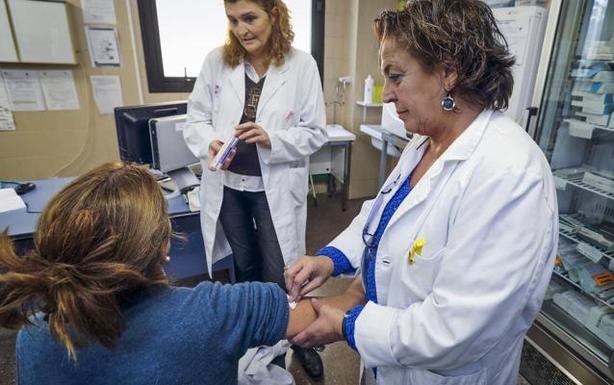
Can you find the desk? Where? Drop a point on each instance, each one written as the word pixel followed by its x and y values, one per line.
pixel 334 158
pixel 391 144
pixel 187 258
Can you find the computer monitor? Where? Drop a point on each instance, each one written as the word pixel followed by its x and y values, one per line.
pixel 169 150
pixel 132 125
pixel 170 153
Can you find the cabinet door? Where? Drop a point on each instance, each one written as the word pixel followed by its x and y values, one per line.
pixel 42 31
pixel 576 131
pixel 7 44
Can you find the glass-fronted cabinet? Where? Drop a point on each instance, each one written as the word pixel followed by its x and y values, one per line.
pixel 575 129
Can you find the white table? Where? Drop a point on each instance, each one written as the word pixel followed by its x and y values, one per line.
pixel 387 142
pixel 334 158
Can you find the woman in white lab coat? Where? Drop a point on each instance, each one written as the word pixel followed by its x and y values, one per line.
pixel 268 94
pixel 286 127
pixel 456 251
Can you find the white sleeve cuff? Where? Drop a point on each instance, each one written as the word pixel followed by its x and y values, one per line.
pixel 372 333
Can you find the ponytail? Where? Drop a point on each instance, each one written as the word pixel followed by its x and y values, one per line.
pixel 102 236
pixel 80 302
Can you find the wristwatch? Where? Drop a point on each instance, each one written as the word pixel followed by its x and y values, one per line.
pixel 343 323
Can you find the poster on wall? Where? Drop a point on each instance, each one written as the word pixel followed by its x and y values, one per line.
pixel 6 116
pixel 107 93
pixel 98 12
pixel 103 45
pixel 59 90
pixel 24 90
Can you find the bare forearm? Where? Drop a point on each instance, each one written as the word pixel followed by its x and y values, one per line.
pixel 304 314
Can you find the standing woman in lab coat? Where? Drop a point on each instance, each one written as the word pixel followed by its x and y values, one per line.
pixel 257 88
pixel 456 251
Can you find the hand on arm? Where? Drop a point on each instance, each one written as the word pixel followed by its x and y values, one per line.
pixel 319 321
pixel 307 274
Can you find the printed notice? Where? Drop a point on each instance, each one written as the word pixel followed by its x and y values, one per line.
pixel 107 93
pixel 24 90
pixel 59 90
pixel 103 46
pixel 98 12
pixel 6 116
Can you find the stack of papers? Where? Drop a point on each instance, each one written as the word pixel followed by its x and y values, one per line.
pixel 9 200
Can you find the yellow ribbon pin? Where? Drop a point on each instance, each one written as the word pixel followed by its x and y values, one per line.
pixel 416 249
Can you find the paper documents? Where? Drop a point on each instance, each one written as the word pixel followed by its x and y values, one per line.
pixel 9 200
pixel 6 116
pixel 107 93
pixel 98 12
pixel 103 46
pixel 24 90
pixel 59 90
pixel 193 198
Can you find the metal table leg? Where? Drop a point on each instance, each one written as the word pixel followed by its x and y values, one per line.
pixel 346 175
pixel 381 177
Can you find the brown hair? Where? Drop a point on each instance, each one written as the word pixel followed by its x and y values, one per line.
pixel 279 43
pixel 461 35
pixel 104 234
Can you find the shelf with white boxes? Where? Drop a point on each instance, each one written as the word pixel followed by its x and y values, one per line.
pixel 565 276
pixel 580 129
pixel 580 180
pixel 569 227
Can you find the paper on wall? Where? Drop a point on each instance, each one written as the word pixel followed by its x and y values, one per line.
pixel 24 90
pixel 103 45
pixel 59 90
pixel 6 116
pixel 98 12
pixel 107 93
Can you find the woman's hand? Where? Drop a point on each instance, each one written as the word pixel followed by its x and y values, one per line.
pixel 250 132
pixel 214 148
pixel 326 329
pixel 306 274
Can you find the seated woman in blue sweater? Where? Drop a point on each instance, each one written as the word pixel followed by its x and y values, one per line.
pixel 94 305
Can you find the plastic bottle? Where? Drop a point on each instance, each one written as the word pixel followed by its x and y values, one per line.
pixel 368 95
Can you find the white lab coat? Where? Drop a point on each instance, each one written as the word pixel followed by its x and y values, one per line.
pixel 256 367
pixel 291 110
pixel 488 213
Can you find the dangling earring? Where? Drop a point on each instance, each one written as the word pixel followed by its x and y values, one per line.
pixel 448 103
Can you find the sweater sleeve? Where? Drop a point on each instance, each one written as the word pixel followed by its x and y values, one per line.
pixel 249 314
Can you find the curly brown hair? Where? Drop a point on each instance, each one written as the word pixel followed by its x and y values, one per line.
pixel 461 35
pixel 279 43
pixel 103 236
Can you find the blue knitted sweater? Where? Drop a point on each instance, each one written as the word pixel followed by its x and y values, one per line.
pixel 173 336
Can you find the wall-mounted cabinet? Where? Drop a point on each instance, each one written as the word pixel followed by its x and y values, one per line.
pixel 35 32
pixel 8 52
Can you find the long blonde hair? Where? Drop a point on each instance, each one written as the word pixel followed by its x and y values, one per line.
pixel 104 234
pixel 279 43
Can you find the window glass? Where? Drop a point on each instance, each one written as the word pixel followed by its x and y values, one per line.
pixel 203 27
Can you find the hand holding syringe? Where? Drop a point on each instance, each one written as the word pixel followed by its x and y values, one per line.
pixel 224 153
